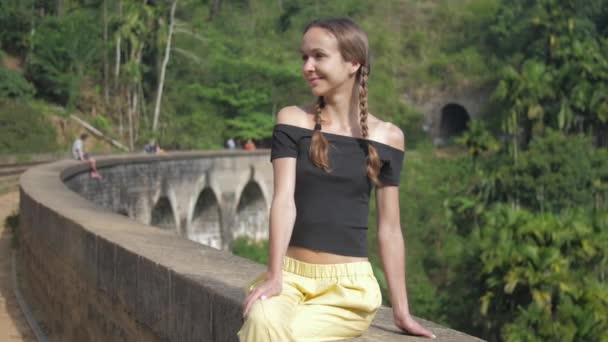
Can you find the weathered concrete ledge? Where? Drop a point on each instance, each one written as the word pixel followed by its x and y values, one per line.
pixel 93 275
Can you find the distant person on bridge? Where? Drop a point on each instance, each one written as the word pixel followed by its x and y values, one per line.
pixel 152 147
pixel 78 153
pixel 249 145
pixel 230 144
pixel 327 157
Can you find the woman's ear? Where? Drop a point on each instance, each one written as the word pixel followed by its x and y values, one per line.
pixel 354 67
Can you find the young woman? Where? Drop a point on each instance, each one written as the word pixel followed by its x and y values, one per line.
pixel 326 159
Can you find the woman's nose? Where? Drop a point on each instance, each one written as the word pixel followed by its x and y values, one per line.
pixel 309 65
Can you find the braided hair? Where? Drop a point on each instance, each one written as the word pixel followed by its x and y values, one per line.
pixel 354 47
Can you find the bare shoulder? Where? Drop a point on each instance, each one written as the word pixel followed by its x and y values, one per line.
pixel 295 115
pixel 386 133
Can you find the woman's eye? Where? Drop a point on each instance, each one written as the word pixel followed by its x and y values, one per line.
pixel 304 57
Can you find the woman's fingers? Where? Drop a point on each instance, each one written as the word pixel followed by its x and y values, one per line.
pixel 410 325
pixel 249 300
pixel 262 292
pixel 419 330
pixel 258 293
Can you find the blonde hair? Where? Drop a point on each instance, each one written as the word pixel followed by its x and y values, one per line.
pixel 354 47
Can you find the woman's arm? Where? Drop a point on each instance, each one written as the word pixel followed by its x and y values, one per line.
pixel 282 213
pixel 282 219
pixel 391 245
pixel 392 248
pixel 392 254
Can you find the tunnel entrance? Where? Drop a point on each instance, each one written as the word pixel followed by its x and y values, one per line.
pixel 251 214
pixel 206 226
pixel 454 121
pixel 162 214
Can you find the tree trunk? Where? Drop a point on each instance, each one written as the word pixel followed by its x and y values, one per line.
pixel 106 90
pixel 132 119
pixel 118 108
pixel 159 93
pixel 118 42
pixel 59 7
pixel 133 87
pixel 97 133
pixel 118 93
pixel 130 106
pixel 215 5
pixel 142 105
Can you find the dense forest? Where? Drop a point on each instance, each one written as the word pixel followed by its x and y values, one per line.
pixel 506 229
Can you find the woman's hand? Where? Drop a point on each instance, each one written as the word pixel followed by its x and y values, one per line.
pixel 406 322
pixel 272 286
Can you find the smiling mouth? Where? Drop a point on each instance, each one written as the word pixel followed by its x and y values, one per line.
pixel 313 80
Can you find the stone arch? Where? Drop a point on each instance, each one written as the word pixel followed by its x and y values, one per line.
pixel 205 227
pixel 454 121
pixel 123 212
pixel 251 213
pixel 162 215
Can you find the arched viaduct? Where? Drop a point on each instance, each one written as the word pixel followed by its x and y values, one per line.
pixel 210 200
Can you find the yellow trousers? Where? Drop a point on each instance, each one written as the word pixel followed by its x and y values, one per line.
pixel 319 302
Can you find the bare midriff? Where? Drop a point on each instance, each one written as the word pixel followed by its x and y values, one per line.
pixel 317 257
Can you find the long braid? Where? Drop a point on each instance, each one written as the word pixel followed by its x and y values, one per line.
pixel 373 159
pixel 319 144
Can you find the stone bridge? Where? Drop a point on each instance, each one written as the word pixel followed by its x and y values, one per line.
pixel 92 274
pixel 211 199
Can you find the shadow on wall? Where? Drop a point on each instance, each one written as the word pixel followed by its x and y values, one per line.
pixel 162 215
pixel 206 225
pixel 251 214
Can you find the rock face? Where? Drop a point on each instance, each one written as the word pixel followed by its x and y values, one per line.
pixel 92 274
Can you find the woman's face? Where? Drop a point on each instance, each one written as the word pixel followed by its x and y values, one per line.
pixel 322 64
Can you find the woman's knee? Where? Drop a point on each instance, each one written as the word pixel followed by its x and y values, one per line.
pixel 257 315
pixel 269 315
pixel 262 324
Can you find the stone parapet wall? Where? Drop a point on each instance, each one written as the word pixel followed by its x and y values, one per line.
pixel 93 275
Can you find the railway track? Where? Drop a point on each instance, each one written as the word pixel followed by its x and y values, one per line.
pixel 9 175
pixel 11 169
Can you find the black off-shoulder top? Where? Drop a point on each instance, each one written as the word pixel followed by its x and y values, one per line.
pixel 332 208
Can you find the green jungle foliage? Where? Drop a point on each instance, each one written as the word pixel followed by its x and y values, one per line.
pixel 532 245
pixel 13 85
pixel 238 63
pixel 24 130
pixel 555 173
pixel 555 70
pixel 251 250
pixel 56 65
pixel 543 275
pixel 15 20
